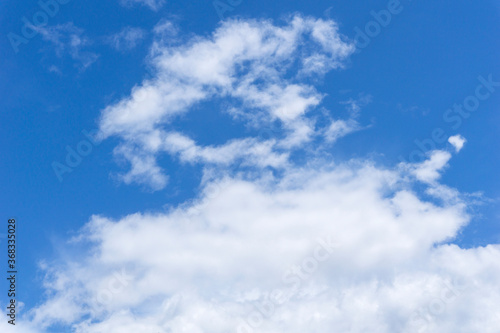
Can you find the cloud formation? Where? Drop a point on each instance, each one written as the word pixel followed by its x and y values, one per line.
pixel 317 247
pixel 325 248
pixel 259 68
pixel 457 141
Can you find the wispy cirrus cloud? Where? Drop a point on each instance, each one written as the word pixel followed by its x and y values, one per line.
pixel 152 4
pixel 69 40
pixel 126 39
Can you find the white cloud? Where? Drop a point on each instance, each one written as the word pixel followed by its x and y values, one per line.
pixel 127 39
pixel 254 64
pixel 318 247
pixel 252 151
pixel 20 327
pixel 324 248
pixel 340 128
pixel 457 141
pixel 143 168
pixel 429 170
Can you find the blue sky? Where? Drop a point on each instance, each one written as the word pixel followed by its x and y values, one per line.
pixel 376 103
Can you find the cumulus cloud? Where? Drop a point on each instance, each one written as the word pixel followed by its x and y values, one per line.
pixel 324 248
pixel 429 170
pixel 457 141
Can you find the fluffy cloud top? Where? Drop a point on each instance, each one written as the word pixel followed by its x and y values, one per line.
pixel 333 248
pixel 457 141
